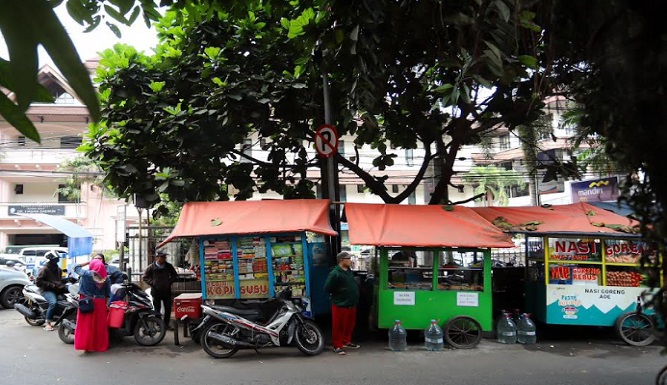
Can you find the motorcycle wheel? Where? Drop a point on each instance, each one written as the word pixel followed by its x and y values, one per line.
pixel 215 348
pixel 66 335
pixel 150 332
pixel 309 339
pixel 35 321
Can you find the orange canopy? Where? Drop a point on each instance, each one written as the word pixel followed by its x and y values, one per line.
pixel 421 226
pixel 577 218
pixel 252 217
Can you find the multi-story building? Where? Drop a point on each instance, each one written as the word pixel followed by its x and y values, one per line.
pixel 506 152
pixel 30 180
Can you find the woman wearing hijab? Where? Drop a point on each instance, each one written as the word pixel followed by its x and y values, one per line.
pixel 92 333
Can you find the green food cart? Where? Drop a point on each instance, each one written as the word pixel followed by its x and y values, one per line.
pixel 582 267
pixel 433 262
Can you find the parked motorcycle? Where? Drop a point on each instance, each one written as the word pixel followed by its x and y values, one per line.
pixel 33 306
pixel 141 320
pixel 274 322
pixel 67 322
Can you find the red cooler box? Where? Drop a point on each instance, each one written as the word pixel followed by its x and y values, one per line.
pixel 187 304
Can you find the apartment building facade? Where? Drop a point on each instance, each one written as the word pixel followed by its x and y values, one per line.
pixel 30 179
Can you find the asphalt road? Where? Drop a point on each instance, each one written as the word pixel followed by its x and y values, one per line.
pixel 30 355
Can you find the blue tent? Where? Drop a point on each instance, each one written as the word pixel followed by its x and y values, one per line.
pixel 79 240
pixel 620 208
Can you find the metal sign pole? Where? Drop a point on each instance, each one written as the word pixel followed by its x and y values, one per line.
pixel 331 170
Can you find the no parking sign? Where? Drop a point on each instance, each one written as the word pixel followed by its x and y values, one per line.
pixel 326 140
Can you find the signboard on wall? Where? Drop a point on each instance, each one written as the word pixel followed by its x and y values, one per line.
pixel 589 305
pixel 15 210
pixel 596 190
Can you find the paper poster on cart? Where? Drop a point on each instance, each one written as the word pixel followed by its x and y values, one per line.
pixel 404 298
pixel 589 305
pixel 467 299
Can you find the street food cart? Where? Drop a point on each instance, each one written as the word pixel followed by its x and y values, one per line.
pixel 253 249
pixel 443 271
pixel 582 266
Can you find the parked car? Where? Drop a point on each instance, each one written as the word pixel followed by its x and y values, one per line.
pixel 18 264
pixel 34 257
pixel 11 287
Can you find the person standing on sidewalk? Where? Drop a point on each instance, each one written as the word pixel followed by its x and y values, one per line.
pixel 159 276
pixel 342 287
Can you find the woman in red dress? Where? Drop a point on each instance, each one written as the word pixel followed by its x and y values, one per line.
pixel 92 332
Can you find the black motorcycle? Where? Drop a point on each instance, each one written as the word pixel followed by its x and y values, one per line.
pixel 141 320
pixel 33 307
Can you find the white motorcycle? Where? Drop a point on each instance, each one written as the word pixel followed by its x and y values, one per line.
pixel 274 322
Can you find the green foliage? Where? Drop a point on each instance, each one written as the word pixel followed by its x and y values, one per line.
pixel 238 70
pixel 496 181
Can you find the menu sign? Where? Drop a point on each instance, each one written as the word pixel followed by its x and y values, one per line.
pixel 574 250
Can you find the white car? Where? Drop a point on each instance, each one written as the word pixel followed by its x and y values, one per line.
pixel 11 287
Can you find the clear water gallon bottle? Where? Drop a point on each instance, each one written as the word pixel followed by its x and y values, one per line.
pixel 516 317
pixel 526 330
pixel 398 337
pixel 433 337
pixel 506 329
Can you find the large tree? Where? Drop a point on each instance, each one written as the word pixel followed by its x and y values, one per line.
pixel 406 73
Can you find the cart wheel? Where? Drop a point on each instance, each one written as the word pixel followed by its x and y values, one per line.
pixel 636 329
pixel 661 378
pixel 463 332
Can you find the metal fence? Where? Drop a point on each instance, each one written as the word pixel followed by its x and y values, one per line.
pixel 141 242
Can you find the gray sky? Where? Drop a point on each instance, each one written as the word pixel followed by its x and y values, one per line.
pixel 88 44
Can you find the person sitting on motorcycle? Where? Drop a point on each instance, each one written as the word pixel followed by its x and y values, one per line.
pixel 50 280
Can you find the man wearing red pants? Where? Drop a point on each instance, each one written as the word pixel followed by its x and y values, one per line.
pixel 342 287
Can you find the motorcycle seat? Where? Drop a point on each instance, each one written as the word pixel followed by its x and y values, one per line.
pixel 241 312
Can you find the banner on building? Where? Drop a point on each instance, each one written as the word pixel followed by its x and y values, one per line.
pixel 597 190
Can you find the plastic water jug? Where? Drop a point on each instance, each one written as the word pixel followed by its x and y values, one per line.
pixel 506 329
pixel 433 337
pixel 398 337
pixel 526 330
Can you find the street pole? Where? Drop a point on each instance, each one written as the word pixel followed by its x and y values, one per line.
pixel 332 191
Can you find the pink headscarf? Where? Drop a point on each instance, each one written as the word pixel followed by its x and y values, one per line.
pixel 98 267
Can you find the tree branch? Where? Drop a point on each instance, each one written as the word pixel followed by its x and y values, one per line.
pixel 480 195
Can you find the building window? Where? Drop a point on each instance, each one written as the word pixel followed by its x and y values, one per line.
pixel 409 157
pixel 505 165
pixel 516 191
pixel 262 143
pixel 70 141
pixel 21 140
pixel 412 198
pixel 18 189
pixel 246 149
pixel 65 98
pixel 360 188
pixel 341 147
pixel 318 191
pixel 343 193
pixel 394 188
pixel 504 142
pixel 62 198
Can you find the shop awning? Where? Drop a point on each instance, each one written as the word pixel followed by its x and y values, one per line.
pixel 573 219
pixel 80 240
pixel 421 226
pixel 252 217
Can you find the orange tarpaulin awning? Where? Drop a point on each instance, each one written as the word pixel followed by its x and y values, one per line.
pixel 577 218
pixel 421 226
pixel 252 217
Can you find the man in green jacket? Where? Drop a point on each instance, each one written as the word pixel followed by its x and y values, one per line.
pixel 342 287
